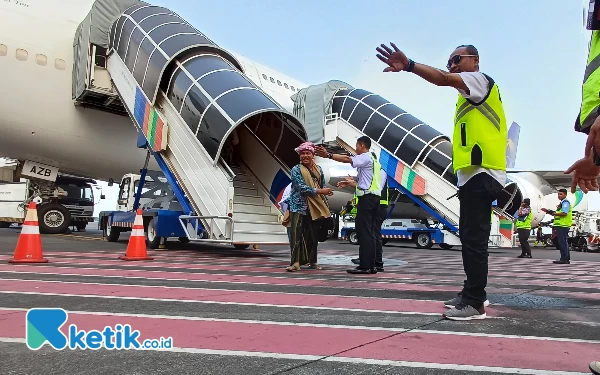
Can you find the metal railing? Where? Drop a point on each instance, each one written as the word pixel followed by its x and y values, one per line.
pixel 209 230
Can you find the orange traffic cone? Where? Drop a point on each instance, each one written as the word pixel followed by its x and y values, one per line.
pixel 29 245
pixel 136 248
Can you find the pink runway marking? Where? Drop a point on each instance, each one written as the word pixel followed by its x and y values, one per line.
pixel 325 341
pixel 362 283
pixel 208 295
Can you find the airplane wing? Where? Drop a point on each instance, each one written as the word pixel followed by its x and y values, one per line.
pixel 557 179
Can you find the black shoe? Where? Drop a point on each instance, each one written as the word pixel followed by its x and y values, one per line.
pixel 560 261
pixel 356 260
pixel 361 271
pixel 379 269
pixel 524 256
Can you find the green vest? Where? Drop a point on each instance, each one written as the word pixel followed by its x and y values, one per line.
pixel 590 98
pixel 482 125
pixel 564 221
pixel 375 187
pixel 385 193
pixel 525 224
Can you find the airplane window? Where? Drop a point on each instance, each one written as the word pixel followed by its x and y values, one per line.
pixel 286 85
pixel 272 80
pixel 60 64
pixel 292 87
pixel 41 59
pixel 3 50
pixel 279 82
pixel 21 54
pixel 264 76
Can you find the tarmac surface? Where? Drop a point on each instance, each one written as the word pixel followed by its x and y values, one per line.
pixel 239 312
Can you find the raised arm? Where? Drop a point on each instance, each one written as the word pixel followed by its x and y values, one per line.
pixel 397 62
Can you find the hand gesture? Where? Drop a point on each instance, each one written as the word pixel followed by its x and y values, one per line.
pixel 586 174
pixel 321 151
pixel 342 184
pixel 593 138
pixel 396 59
pixel 326 191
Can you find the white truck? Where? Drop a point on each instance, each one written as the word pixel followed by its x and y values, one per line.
pixel 68 203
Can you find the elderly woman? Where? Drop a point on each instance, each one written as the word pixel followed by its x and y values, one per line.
pixel 306 204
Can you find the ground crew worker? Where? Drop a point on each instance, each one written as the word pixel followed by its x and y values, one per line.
pixel 523 224
pixel 381 215
pixel 479 161
pixel 587 169
pixel 368 190
pixel 563 220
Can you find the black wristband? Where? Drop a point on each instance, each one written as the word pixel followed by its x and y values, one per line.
pixel 410 66
pixel 330 155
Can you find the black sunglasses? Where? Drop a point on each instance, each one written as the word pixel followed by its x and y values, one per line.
pixel 456 60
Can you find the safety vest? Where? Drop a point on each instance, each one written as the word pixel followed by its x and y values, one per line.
pixel 375 187
pixel 525 224
pixel 590 98
pixel 385 193
pixel 483 125
pixel 564 221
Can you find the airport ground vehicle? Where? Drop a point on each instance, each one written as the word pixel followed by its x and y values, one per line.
pixel 423 235
pixel 66 202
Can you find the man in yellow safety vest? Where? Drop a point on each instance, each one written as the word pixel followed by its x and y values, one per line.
pixel 479 159
pixel 563 220
pixel 523 224
pixel 368 191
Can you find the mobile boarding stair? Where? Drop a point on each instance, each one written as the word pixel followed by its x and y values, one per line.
pixel 416 156
pixel 191 101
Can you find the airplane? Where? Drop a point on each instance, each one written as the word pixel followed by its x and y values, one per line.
pixel 41 124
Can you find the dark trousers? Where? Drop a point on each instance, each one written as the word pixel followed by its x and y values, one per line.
pixel 524 241
pixel 476 197
pixel 365 223
pixel 563 245
pixel 381 215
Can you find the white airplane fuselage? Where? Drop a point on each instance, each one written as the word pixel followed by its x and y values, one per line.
pixel 39 120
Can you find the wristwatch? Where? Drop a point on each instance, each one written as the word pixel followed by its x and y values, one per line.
pixel 329 155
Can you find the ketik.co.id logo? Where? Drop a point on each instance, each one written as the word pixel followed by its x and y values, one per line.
pixel 43 326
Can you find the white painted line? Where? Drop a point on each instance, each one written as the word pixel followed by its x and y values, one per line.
pixel 354 281
pixel 228 303
pixel 363 361
pixel 318 325
pixel 221 289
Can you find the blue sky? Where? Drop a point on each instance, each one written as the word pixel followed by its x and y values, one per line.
pixel 535 50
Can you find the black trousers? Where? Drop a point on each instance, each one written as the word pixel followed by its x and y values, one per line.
pixel 524 241
pixel 562 235
pixel 366 224
pixel 381 214
pixel 476 197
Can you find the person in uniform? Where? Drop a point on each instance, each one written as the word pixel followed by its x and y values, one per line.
pixel 479 160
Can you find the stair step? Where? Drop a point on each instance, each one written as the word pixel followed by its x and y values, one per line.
pixel 254 237
pixel 246 191
pixel 248 207
pixel 255 216
pixel 243 184
pixel 252 199
pixel 258 226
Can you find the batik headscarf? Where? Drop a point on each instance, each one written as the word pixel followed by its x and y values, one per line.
pixel 306 146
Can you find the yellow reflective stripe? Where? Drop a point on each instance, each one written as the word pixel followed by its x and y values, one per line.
pixel 591 67
pixel 463 112
pixel 484 109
